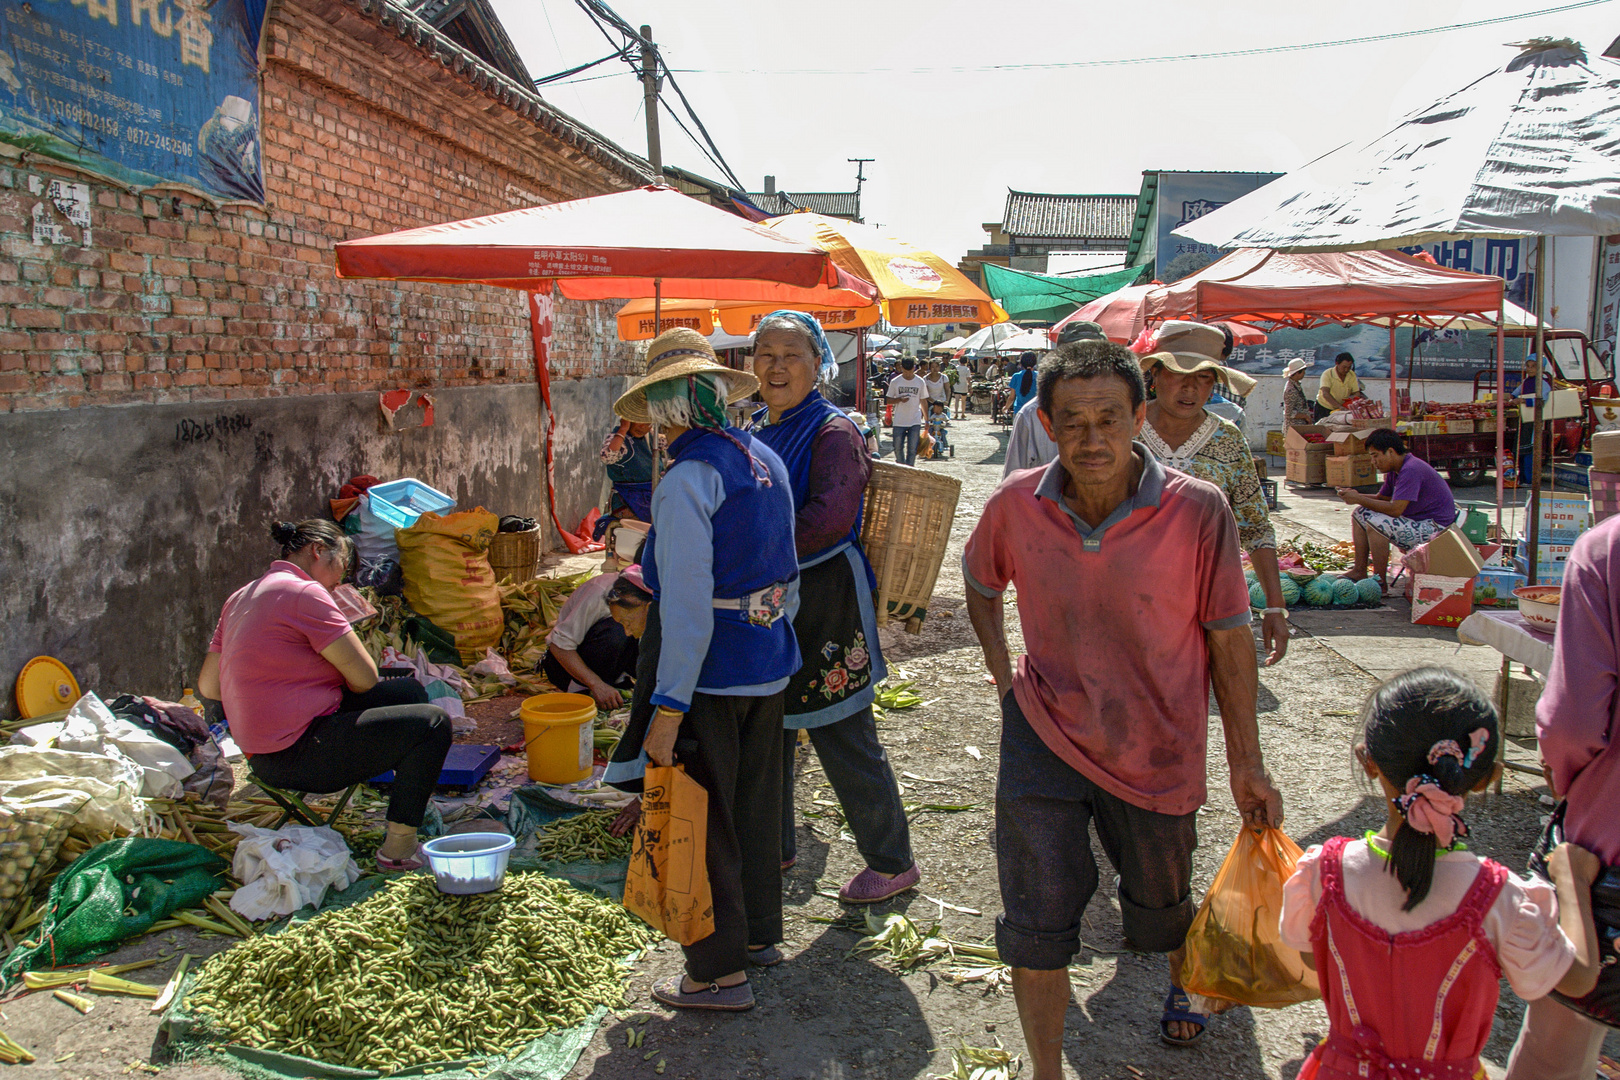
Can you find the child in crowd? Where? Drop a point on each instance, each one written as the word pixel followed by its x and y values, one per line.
pixel 1410 932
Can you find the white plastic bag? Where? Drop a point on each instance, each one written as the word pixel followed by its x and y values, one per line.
pixel 92 728
pixel 111 780
pixel 283 869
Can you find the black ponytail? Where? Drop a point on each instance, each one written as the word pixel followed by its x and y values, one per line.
pixel 294 536
pixel 1436 724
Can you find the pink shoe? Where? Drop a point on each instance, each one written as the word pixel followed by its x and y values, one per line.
pixel 405 865
pixel 871 887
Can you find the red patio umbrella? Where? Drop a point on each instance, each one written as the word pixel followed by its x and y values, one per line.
pixel 1123 313
pixel 641 243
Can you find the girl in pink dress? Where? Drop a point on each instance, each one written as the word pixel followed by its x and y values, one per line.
pixel 1410 931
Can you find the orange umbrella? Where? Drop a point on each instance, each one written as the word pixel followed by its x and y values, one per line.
pixel 917 287
pixel 636 318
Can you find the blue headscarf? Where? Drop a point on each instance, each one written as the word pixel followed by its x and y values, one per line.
pixel 828 368
pixel 795 430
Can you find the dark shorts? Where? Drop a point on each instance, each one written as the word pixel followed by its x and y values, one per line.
pixel 1044 859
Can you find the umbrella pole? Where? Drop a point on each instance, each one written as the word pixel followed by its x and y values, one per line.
pixel 1501 409
pixel 658 306
pixel 1532 527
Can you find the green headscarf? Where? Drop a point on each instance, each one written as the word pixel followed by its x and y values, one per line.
pixel 708 407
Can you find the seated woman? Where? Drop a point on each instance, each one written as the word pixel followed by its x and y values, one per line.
pixel 1413 506
pixel 598 637
pixel 303 696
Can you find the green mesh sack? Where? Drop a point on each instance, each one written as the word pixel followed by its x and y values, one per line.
pixel 114 891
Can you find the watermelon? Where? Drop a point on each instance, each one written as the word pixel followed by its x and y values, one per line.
pixel 1290 590
pixel 1319 593
pixel 1345 593
pixel 1250 576
pixel 1257 595
pixel 1370 590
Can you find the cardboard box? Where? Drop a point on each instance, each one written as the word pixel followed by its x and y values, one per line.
pixel 1308 464
pixel 1369 425
pixel 1451 554
pixel 1558 405
pixel 1571 476
pixel 1295 438
pixel 1485 425
pixel 1563 517
pixel 1354 471
pixel 1494 587
pixel 1606 451
pixel 1438 600
pixel 1260 467
pixel 1348 443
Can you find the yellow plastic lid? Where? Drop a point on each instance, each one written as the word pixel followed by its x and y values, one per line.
pixel 45 685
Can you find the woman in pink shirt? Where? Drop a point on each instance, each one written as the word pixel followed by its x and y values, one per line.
pixel 303 695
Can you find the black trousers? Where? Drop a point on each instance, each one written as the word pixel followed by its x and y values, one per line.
pixel 733 747
pixel 390 726
pixel 606 650
pixel 859 771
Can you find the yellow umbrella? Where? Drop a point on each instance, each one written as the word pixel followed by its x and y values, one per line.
pixel 636 318
pixel 917 286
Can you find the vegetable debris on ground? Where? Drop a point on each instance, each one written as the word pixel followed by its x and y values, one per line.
pixel 982 1063
pixel 412 975
pixel 583 838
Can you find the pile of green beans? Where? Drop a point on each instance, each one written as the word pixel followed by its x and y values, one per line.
pixel 412 975
pixel 583 838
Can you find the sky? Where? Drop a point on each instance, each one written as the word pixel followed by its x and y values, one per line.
pixel 793 90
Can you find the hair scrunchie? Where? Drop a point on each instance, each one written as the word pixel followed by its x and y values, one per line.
pixel 1431 809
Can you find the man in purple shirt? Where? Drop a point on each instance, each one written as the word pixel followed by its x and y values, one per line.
pixel 1412 507
pixel 1578 724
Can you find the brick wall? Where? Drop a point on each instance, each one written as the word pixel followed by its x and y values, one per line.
pixel 169 299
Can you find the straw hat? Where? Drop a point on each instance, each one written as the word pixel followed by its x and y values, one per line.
pixel 1188 347
pixel 1297 364
pixel 675 354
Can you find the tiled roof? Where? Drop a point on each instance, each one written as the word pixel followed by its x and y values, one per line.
pixel 832 203
pixel 1032 215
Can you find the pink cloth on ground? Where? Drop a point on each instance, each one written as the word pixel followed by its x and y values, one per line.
pixel 273 679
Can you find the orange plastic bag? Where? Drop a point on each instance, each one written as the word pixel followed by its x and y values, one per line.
pixel 668 881
pixel 1234 949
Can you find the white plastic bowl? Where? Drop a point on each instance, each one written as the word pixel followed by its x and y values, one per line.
pixel 467 863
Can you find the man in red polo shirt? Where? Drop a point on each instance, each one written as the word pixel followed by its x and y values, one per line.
pixel 1132 601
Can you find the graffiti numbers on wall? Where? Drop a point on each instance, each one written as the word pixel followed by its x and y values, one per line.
pixel 215 430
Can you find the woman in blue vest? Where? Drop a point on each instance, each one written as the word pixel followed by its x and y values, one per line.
pixel 717 652
pixel 831 696
pixel 1024 384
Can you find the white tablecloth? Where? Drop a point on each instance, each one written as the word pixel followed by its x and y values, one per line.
pixel 1508 633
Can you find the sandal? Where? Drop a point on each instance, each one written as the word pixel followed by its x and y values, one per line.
pixel 403 866
pixel 1178 1007
pixel 768 956
pixel 714 997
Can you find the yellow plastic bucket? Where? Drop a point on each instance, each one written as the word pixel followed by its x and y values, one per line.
pixel 559 734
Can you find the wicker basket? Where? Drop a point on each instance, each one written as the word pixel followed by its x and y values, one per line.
pixel 907 526
pixel 515 555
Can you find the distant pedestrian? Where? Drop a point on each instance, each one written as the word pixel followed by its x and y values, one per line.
pixel 964 385
pixel 908 394
pixel 1410 931
pixel 939 388
pixel 1024 383
pixel 1140 564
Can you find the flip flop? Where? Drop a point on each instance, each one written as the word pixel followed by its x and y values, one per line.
pixel 769 956
pixel 1178 1007
pixel 714 998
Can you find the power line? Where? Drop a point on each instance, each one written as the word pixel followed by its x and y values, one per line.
pixel 577 69
pixel 1064 65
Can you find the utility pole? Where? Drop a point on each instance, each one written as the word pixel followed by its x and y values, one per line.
pixel 860 164
pixel 649 86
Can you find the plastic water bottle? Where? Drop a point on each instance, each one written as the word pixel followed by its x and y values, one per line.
pixel 189 700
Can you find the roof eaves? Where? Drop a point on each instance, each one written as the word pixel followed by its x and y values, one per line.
pixel 506 90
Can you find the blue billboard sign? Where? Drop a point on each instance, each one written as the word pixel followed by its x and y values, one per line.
pixel 1182 198
pixel 145 92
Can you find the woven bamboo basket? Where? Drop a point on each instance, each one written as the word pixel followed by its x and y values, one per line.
pixel 906 528
pixel 515 555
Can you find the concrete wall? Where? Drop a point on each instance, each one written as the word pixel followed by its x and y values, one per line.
pixel 123 529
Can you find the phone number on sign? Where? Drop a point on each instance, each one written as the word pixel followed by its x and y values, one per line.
pixel 143 137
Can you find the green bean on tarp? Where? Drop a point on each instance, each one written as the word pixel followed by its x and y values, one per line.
pixel 410 977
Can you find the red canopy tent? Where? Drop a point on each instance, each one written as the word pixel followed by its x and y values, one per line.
pixel 1349 287
pixel 624 245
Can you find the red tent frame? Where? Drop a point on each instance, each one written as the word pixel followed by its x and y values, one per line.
pixel 1307 290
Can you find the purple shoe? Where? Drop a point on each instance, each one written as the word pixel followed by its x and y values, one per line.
pixel 739 998
pixel 871 887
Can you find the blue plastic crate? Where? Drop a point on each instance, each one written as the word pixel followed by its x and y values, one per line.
pixel 464 766
pixel 401 502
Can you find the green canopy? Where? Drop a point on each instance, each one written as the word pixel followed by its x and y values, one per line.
pixel 1048 298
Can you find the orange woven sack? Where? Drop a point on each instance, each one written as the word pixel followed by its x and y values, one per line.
pixel 448 581
pixel 1234 949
